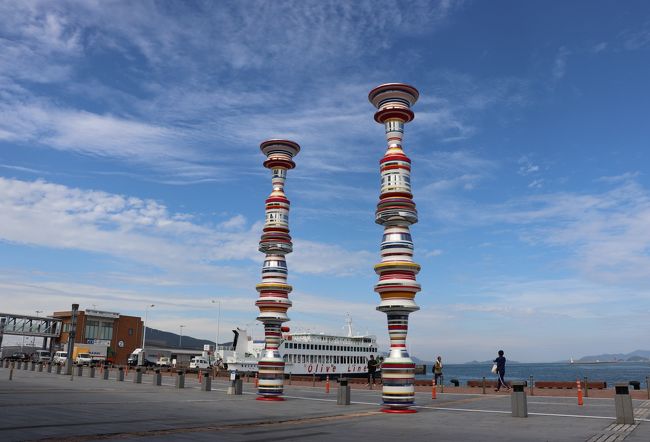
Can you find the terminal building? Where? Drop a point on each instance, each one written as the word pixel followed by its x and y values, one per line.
pixel 101 333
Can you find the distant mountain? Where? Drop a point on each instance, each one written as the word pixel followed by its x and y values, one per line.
pixel 636 355
pixel 168 339
pixel 491 361
pixel 419 361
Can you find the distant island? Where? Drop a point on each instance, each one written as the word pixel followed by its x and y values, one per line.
pixel 635 356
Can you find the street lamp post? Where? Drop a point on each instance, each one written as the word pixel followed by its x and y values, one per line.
pixel 216 341
pixel 144 333
pixel 180 338
pixel 38 312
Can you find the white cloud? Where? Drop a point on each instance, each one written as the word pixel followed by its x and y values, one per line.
pixel 526 166
pixel 50 215
pixel 600 47
pixel 320 259
pixel 433 253
pixel 603 233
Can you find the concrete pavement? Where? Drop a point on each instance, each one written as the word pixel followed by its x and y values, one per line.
pixel 46 406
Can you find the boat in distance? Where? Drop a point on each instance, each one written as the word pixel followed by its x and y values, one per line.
pixel 304 354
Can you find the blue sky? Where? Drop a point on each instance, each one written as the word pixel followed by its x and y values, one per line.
pixel 130 171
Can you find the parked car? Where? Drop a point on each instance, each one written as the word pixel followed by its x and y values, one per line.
pixel 84 359
pixel 199 363
pixel 41 356
pixel 19 356
pixel 60 357
pixel 164 361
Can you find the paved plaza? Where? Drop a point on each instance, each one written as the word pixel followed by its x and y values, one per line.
pixel 46 406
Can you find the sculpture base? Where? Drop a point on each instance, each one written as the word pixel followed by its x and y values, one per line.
pixel 398 410
pixel 269 398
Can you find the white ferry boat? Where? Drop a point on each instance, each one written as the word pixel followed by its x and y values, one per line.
pixel 305 353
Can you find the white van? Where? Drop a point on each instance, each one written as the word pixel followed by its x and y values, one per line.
pixel 60 357
pixel 41 356
pixel 199 362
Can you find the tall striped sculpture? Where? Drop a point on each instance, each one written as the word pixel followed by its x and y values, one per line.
pixel 396 212
pixel 274 291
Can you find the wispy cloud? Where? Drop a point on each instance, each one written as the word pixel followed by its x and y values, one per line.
pixel 560 63
pixel 636 39
pixel 603 232
pixel 144 231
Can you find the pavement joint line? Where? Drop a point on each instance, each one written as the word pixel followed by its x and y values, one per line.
pixel 613 432
pixel 202 429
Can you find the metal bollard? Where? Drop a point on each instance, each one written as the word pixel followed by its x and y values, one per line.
pixel 647 385
pixel 623 404
pixel 313 380
pixel 80 370
pixel 157 378
pixel 33 366
pixel 180 379
pixel 58 368
pixel 483 384
pixel 92 371
pixel 343 393
pixel 25 365
pixel 120 374
pixel 586 388
pixel 106 372
pixel 518 399
pixel 531 385
pixel 206 383
pixel 49 367
pixel 236 384
pixel 137 378
pixel 40 367
pixel 6 363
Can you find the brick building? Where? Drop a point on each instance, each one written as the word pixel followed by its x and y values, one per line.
pixel 111 333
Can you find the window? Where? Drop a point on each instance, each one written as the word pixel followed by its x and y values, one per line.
pixel 106 331
pixel 130 332
pixel 92 329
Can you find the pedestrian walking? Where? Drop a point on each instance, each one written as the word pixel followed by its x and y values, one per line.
pixel 500 362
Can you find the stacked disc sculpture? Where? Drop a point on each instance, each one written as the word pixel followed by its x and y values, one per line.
pixel 396 212
pixel 275 243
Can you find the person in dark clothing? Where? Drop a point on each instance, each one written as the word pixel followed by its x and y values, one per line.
pixel 372 369
pixel 437 370
pixel 501 371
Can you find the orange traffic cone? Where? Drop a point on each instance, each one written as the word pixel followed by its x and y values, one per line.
pixel 256 380
pixel 433 388
pixel 327 384
pixel 200 376
pixel 580 401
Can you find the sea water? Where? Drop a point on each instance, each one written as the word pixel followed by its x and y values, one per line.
pixel 608 372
